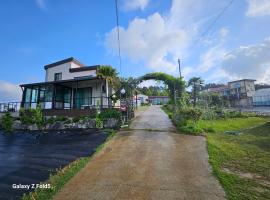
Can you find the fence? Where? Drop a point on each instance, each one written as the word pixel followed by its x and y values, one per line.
pixel 263 100
pixel 10 107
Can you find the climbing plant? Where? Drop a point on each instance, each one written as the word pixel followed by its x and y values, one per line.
pixel 175 85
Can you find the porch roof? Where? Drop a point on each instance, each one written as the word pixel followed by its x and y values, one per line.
pixel 75 80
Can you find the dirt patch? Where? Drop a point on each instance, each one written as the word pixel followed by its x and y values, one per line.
pixel 258 178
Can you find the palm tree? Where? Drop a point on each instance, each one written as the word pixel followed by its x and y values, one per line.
pixel 110 74
pixel 196 83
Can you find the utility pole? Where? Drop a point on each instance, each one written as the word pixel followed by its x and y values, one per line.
pixel 179 64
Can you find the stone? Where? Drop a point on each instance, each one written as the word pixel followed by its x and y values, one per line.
pixel 57 126
pixel 17 125
pixel 33 127
pixel 90 123
pixel 232 132
pixel 111 123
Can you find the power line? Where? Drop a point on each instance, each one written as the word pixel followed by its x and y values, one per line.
pixel 213 23
pixel 217 18
pixel 118 37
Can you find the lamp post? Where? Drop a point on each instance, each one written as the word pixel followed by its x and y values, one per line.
pixel 122 92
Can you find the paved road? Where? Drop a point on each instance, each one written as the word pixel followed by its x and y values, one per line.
pixel 148 162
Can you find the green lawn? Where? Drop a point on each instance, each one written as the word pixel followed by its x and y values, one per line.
pixel 241 162
pixel 221 125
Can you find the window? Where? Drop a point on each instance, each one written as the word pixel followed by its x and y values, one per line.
pixel 57 76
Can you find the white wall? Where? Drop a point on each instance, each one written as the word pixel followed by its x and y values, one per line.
pixel 64 69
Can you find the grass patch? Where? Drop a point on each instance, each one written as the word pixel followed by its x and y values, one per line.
pixel 240 162
pixel 62 176
pixel 248 153
pixel 221 125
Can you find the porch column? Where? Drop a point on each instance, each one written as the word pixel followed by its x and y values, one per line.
pixel 53 97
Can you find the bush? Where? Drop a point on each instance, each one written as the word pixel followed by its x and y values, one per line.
pixel 26 117
pixel 99 123
pixel 38 117
pixel 61 118
pixel 184 115
pixel 209 114
pixel 7 122
pixel 110 113
pixel 191 128
pixel 76 119
pixel 50 120
pixel 32 116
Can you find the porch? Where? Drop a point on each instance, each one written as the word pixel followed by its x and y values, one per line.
pixel 74 94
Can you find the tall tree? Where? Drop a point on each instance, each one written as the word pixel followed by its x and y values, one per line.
pixel 109 73
pixel 196 84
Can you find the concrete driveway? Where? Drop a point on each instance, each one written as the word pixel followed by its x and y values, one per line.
pixel 150 161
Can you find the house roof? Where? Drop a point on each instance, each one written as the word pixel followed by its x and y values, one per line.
pixel 71 59
pixel 242 80
pixel 62 81
pixel 86 68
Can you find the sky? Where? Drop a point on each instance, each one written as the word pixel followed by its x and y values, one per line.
pixel 218 41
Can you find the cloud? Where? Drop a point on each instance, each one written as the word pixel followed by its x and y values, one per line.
pixel 215 53
pixel 258 8
pixel 41 4
pixel 158 40
pixel 135 4
pixel 9 92
pixel 249 62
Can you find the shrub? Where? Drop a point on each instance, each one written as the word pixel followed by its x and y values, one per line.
pixel 99 123
pixel 32 116
pixel 110 113
pixel 7 122
pixel 61 118
pixel 76 119
pixel 209 114
pixel 50 120
pixel 38 117
pixel 26 117
pixel 190 128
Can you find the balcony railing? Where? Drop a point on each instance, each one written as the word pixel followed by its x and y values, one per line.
pixel 10 107
pixel 75 103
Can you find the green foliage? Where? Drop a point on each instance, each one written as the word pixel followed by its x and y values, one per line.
pixel 190 128
pixel 32 116
pixel 76 119
pixel 110 113
pixel 7 122
pixel 50 120
pixel 26 116
pixel 247 153
pixel 173 83
pixel 61 118
pixel 209 114
pixel 221 125
pixel 154 91
pixel 99 123
pixel 196 84
pixel 38 117
pixel 110 74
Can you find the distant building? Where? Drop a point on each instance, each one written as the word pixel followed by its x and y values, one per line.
pixel 158 100
pixel 222 90
pixel 142 98
pixel 242 92
pixel 262 97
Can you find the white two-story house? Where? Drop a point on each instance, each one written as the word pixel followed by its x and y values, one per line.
pixel 69 85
